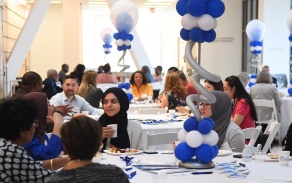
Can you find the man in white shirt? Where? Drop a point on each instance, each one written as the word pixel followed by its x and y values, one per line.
pixel 69 97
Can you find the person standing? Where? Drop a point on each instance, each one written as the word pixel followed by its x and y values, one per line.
pixel 62 73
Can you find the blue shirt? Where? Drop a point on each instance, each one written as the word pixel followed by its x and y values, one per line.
pixel 40 151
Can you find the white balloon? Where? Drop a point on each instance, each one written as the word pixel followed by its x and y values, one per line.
pixel 252 80
pixel 188 21
pixel 127 42
pixel 215 23
pixel 206 22
pixel 291 44
pixel 124 6
pixel 194 138
pixel 289 21
pixel 181 135
pixel 211 138
pixel 252 48
pixel 255 30
pixel 124 90
pixel 258 48
pixel 119 42
pixel 106 31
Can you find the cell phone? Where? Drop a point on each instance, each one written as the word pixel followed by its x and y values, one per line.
pixel 150 152
pixel 237 156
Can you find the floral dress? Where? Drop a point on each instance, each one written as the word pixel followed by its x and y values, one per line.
pixel 174 100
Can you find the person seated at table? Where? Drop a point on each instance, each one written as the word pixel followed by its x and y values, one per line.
pixel 17 126
pixel 82 138
pixel 106 76
pixel 158 77
pixel 211 85
pixel 115 104
pixel 78 72
pixel 264 89
pixel 174 93
pixel 145 69
pixel 220 112
pixel 244 79
pixel 36 148
pixel 140 85
pixel 243 109
pixel 187 84
pixel 88 89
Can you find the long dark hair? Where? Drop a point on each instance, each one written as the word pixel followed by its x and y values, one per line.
pixel 241 93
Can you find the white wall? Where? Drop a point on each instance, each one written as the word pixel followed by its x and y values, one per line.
pixel 47 49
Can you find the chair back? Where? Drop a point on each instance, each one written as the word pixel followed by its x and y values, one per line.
pixel 134 130
pixel 252 134
pixel 268 104
pixel 160 138
pixel 271 130
pixel 152 111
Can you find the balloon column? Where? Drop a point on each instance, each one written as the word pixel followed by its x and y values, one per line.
pixel 199 19
pixel 289 24
pixel 252 81
pixel 126 88
pixel 124 16
pixel 197 139
pixel 290 88
pixel 255 31
pixel 107 38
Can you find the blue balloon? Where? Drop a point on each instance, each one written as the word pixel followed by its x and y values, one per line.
pixel 204 127
pixel 107 52
pixel 130 37
pixel 205 153
pixel 121 85
pixel 196 7
pixel 196 34
pixel 124 22
pixel 252 43
pixel 181 7
pixel 250 84
pixel 216 150
pixel 107 46
pixel 130 96
pixel 183 151
pixel 209 36
pixel 290 37
pixel 259 43
pixel 124 36
pixel 119 48
pixel 215 8
pixel 107 38
pixel 117 35
pixel 291 81
pixel 127 86
pixel 210 120
pixel 290 91
pixel 190 124
pixel 124 47
pixel 185 34
pixel 254 52
pixel 129 47
pixel 254 76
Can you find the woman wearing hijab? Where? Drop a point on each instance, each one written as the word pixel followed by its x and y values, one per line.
pixel 115 104
pixel 36 148
pixel 220 112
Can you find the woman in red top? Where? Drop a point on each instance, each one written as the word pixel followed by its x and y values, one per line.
pixel 243 113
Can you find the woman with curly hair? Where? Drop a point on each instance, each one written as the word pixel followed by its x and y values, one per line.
pixel 140 85
pixel 174 93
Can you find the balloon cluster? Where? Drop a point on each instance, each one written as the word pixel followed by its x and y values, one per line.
pixel 290 88
pixel 289 24
pixel 199 19
pixel 124 16
pixel 252 80
pixel 126 88
pixel 255 31
pixel 107 38
pixel 197 139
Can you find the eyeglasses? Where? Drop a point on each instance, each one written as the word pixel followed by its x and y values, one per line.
pixel 113 101
pixel 203 105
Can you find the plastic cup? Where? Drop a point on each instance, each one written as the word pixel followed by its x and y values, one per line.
pixel 115 128
pixel 284 158
pixel 171 112
pixel 259 157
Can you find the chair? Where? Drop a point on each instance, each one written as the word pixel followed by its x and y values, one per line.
pixel 160 138
pixel 152 111
pixel 271 130
pixel 252 134
pixel 268 104
pixel 135 134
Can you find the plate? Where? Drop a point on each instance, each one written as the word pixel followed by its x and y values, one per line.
pixel 224 152
pixel 126 153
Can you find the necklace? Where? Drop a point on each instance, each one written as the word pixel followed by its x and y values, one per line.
pixel 78 163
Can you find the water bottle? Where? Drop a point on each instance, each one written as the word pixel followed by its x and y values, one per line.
pixel 247 154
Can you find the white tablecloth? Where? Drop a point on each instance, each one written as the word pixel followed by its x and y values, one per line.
pixel 258 171
pixel 286 115
pixel 134 107
pixel 160 128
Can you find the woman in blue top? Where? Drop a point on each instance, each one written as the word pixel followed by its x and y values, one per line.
pixel 145 69
pixel 36 148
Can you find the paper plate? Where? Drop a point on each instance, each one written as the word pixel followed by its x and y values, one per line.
pixel 126 153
